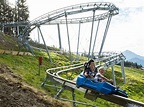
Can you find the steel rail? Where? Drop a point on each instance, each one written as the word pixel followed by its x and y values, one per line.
pixel 79 8
pixel 126 102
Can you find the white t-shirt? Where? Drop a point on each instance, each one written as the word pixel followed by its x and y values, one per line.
pixel 98 77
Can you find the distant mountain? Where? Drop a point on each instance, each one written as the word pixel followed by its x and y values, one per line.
pixel 132 57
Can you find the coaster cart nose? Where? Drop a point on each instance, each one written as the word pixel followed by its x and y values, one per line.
pixel 80 81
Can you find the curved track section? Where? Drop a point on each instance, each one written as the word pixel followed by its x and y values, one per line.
pixel 54 75
pixel 54 16
pixel 60 16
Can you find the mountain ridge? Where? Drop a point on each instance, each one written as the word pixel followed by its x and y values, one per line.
pixel 133 57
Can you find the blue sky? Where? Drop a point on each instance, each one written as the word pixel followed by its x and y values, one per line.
pixel 126 31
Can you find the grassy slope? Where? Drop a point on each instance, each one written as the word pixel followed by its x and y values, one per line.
pixel 134 82
pixel 27 68
pixel 8 42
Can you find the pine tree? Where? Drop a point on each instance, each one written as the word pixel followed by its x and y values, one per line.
pixel 6 15
pixel 21 13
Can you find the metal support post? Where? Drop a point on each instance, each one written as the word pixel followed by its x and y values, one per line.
pixel 18 30
pixel 68 38
pixel 3 28
pixel 59 36
pixel 60 91
pixel 113 73
pixel 105 33
pixel 45 80
pixel 45 44
pixel 38 35
pixel 123 72
pixel 73 95
pixel 78 40
pixel 95 37
pixel 91 34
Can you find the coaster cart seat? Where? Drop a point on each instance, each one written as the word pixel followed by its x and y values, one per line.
pixel 102 87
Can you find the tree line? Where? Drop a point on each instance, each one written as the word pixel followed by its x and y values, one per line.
pixel 17 12
pixel 132 64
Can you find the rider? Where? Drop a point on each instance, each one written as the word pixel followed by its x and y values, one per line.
pixel 101 78
pixel 90 69
pixel 90 72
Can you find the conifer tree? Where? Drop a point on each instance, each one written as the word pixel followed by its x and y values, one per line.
pixel 21 13
pixel 6 15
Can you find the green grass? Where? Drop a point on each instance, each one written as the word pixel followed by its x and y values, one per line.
pixel 134 82
pixel 27 67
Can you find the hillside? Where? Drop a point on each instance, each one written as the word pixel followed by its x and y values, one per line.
pixel 16 93
pixel 14 89
pixel 21 84
pixel 8 42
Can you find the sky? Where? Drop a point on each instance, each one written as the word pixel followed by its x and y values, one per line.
pixel 126 31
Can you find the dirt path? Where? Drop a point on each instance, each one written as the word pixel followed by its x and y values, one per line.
pixel 13 93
